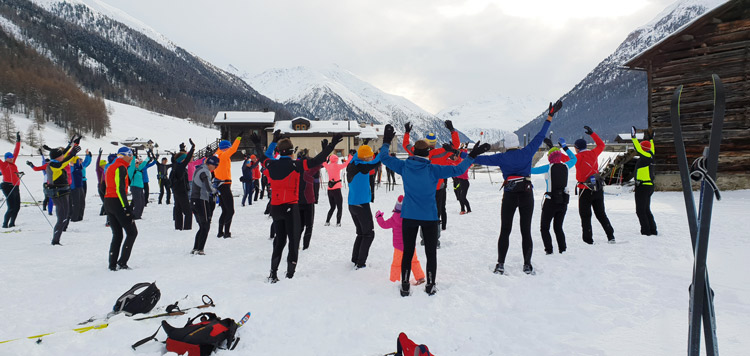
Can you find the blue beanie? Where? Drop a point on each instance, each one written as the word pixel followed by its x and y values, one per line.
pixel 213 160
pixel 431 138
pixel 581 144
pixel 8 155
pixel 224 144
pixel 124 151
pixel 111 158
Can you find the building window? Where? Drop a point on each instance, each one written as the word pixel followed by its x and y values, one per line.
pixel 300 127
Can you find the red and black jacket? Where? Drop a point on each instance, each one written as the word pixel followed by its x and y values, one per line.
pixel 284 173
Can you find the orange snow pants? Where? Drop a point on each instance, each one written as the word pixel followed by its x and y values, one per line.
pixel 416 268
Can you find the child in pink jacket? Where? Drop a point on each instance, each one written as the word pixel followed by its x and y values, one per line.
pixel 398 244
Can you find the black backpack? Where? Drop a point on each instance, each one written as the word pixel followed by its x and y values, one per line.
pixel 200 338
pixel 139 299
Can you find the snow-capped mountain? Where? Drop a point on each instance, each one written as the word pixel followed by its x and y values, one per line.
pixel 334 93
pixel 611 99
pixel 120 58
pixel 497 116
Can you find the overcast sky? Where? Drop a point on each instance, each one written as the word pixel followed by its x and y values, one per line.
pixel 436 53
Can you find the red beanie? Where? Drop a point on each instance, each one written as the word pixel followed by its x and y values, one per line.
pixel 646 145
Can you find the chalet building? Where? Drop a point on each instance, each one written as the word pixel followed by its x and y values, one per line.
pixel 716 43
pixel 231 123
pixel 306 133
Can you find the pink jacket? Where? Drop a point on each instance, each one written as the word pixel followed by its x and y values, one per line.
pixel 393 223
pixel 334 169
pixel 191 168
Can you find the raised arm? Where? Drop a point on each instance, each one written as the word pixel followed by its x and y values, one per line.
pixel 407 135
pixel 323 155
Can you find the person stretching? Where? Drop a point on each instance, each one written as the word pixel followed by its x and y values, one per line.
pixel 223 175
pixel 202 201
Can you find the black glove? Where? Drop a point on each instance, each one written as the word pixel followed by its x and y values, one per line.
pixel 632 131
pixel 277 136
pixel 549 143
pixel 449 148
pixel 407 127
pixel 255 139
pixel 74 151
pixel 28 163
pixel 554 108
pixel 77 140
pixel 18 136
pixel 352 152
pixel 479 149
pixel 192 144
pixel 389 133
pixel 182 147
pixel 588 131
pixel 449 125
pixel 100 150
pixel 324 143
pixel 336 139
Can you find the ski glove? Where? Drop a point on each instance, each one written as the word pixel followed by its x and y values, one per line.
pixel 588 131
pixel 28 163
pixel 324 143
pixel 562 143
pixel 554 108
pixel 478 149
pixel 449 148
pixel 182 146
pixel 77 140
pixel 632 131
pixel 449 125
pixel 389 133
pixel 379 214
pixel 548 142
pixel 407 127
pixel 192 144
pixel 18 136
pixel 277 136
pixel 336 139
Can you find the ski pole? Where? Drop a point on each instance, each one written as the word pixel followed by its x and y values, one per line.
pixel 173 309
pixel 20 179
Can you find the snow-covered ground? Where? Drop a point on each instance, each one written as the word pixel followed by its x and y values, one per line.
pixel 624 299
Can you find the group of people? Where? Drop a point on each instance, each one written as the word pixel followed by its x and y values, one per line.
pixel 198 185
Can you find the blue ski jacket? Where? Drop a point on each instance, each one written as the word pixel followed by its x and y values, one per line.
pixel 85 164
pixel 515 162
pixel 145 170
pixel 420 178
pixel 358 176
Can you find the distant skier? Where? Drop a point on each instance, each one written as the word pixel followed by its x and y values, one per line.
pixel 223 175
pixel 146 188
pixel 249 179
pixel 119 210
pixel 10 185
pixel 591 187
pixel 335 199
pixel 395 222
pixel 163 176
pixel 202 201
pixel 644 182
pixel 518 193
pixel 358 175
pixel 419 209
pixel 461 183
pixel 307 200
pixel 556 197
pixel 77 195
pixel 183 217
pixel 58 185
pixel 137 190
pixel 47 202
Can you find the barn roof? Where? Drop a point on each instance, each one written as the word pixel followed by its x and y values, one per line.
pixel 244 117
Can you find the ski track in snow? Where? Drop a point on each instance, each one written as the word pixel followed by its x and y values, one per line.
pixel 623 299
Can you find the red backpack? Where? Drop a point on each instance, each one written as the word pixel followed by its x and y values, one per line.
pixel 198 339
pixel 406 347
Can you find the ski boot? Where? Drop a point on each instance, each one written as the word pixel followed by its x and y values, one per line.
pixel 360 266
pixel 528 269
pixel 227 235
pixel 430 289
pixel 200 252
pixel 611 241
pixel 499 268
pixel 338 225
pixel 220 234
pixel 273 278
pixel 327 224
pixel 404 290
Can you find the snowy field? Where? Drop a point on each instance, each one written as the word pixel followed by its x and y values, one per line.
pixel 630 298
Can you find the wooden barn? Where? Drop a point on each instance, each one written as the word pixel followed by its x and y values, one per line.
pixel 716 43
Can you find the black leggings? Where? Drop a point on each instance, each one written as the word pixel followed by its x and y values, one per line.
pixel 146 192
pixel 409 229
pixel 462 190
pixel 643 195
pixel 307 218
pixel 226 201
pixel 286 226
pixel 119 221
pixel 440 197
pixel 553 211
pixel 336 201
pixel 183 217
pixel 62 209
pixel 203 210
pixel 164 184
pixel 362 217
pixel 390 179
pixel 586 201
pixel 524 202
pixel 13 201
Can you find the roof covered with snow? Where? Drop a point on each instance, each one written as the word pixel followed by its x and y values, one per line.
pixel 317 126
pixel 244 117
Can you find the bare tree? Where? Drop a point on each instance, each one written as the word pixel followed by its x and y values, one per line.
pixel 7 128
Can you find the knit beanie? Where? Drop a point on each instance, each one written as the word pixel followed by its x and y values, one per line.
pixel 213 160
pixel 102 163
pixel 581 144
pixel 421 148
pixel 8 155
pixel 553 149
pixel 397 208
pixel 364 151
pixel 645 145
pixel 431 139
pixel 224 144
pixel 555 157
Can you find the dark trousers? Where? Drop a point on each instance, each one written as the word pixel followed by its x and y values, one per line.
pixel 643 195
pixel 409 229
pixel 440 197
pixel 372 188
pixel 248 188
pixel 101 189
pixel 256 189
pixel 264 186
pixel 47 203
pixel 524 202
pixel 183 217
pixel 586 201
pixel 307 218
pixel 336 201
pixel 13 201
pixel 462 190
pixel 553 211
pixel 145 194
pixel 226 201
pixel 76 204
pixel 119 221
pixel 138 201
pixel 203 210
pixel 362 217
pixel 165 185
pixel 62 210
pixel 390 177
pixel 286 226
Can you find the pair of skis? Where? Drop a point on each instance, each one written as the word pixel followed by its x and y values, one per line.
pixel 703 169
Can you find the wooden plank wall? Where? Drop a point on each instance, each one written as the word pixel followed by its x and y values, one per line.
pixel 721 46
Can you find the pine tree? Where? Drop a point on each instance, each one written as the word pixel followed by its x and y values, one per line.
pixel 32 137
pixel 8 128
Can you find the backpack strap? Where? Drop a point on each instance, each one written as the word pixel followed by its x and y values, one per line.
pixel 147 339
pixel 127 296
